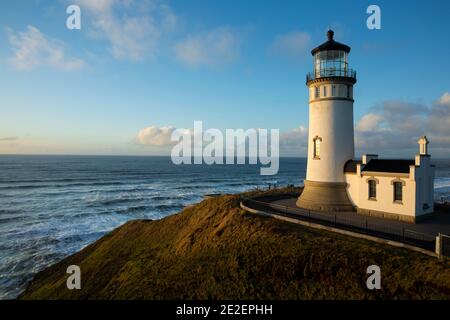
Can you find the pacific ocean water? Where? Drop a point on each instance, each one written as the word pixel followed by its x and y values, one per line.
pixel 53 206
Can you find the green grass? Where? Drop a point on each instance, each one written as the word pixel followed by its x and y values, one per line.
pixel 215 250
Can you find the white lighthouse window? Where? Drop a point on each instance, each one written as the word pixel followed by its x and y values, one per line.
pixel 317 92
pixel 317 141
pixel 333 90
pixel 324 91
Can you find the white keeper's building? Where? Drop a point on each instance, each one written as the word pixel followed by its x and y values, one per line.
pixel 335 180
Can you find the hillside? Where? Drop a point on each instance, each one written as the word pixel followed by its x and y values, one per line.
pixel 215 250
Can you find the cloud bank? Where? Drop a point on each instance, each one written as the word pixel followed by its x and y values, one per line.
pixel 394 126
pixel 391 128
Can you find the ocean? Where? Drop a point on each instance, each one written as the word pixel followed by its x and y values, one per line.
pixel 53 206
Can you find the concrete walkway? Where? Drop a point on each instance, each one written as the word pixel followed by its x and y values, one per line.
pixel 437 223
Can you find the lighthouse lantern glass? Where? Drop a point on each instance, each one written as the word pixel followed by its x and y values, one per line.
pixel 331 63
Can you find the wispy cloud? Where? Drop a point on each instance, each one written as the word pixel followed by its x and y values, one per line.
pixel 32 48
pixel 132 28
pixel 293 44
pixel 219 46
pixel 8 139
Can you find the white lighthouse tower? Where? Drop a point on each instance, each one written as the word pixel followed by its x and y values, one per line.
pixel 330 138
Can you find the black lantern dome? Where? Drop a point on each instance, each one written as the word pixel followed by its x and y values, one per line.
pixel 331 45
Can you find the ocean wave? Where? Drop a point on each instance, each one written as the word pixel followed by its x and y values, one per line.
pixel 171 197
pixel 441 183
pixel 165 207
pixel 8 211
pixel 139 209
pixel 118 201
pixel 134 209
pixel 40 186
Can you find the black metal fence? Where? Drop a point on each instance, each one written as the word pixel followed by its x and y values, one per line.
pixel 342 221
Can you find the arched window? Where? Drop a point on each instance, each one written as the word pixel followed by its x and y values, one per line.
pixel 316 151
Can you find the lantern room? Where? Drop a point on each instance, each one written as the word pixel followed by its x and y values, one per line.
pixel 331 60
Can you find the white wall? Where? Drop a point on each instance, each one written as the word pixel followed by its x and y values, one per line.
pixel 424 175
pixel 331 120
pixel 353 184
pixel 385 194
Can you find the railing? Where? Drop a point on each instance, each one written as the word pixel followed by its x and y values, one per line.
pixel 331 72
pixel 339 220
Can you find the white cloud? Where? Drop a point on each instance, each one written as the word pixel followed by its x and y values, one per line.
pixel 369 122
pixel 133 28
pixel 155 136
pixel 216 47
pixel 439 122
pixel 32 48
pixel 394 126
pixel 292 142
pixel 445 99
pixel 97 5
pixel 293 44
pixel 295 137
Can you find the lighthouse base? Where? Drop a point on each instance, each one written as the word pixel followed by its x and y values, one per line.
pixel 325 196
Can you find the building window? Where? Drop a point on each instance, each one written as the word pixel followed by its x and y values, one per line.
pixel 324 91
pixel 398 191
pixel 317 92
pixel 333 90
pixel 316 151
pixel 372 189
pixel 348 91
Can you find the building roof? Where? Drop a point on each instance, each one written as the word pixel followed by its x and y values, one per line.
pixel 350 166
pixel 388 165
pixel 330 45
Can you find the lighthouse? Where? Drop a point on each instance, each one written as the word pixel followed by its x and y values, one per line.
pixel 330 134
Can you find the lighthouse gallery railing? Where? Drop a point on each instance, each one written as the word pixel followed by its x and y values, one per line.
pixel 331 72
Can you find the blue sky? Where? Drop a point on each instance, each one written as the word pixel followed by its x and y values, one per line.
pixel 232 64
